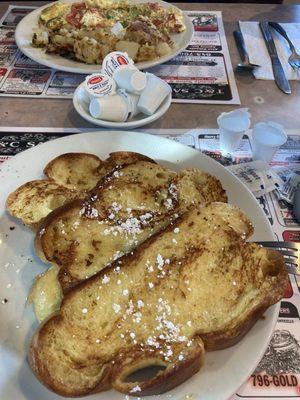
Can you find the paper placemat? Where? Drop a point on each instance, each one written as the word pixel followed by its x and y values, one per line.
pixel 201 74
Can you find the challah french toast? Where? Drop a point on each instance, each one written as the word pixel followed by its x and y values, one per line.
pixel 82 171
pixel 34 200
pixel 135 198
pixel 126 207
pixel 70 176
pixel 180 291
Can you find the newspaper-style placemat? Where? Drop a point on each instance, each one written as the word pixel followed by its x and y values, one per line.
pixel 201 74
pixel 278 374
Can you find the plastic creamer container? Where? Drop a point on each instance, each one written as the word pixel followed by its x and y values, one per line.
pixel 116 108
pixel 114 61
pixel 98 85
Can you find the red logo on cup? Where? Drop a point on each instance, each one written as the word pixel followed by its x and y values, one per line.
pixel 122 60
pixel 95 79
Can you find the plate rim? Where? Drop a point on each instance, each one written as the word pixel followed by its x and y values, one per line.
pixel 272 311
pixel 82 68
pixel 163 108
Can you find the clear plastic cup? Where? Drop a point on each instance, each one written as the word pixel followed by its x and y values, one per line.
pixel 267 137
pixel 232 126
pixel 153 95
pixel 114 108
pixel 130 78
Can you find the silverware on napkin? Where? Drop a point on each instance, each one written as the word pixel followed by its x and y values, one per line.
pixel 245 65
pixel 278 71
pixel 294 58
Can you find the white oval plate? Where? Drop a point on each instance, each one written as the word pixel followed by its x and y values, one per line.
pixel 223 371
pixel 26 26
pixel 139 120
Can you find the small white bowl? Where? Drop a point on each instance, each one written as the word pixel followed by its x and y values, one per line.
pixel 82 107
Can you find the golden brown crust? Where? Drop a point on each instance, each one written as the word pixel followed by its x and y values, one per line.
pixel 173 374
pixel 119 158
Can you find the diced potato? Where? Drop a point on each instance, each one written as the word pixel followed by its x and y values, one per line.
pixel 131 48
pixel 88 50
pixel 163 48
pixel 146 53
pixel 40 39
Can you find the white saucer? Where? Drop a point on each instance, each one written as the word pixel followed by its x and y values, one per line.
pixel 82 108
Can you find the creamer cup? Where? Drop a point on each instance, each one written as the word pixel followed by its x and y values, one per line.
pixel 114 61
pixel 153 95
pixel 134 104
pixel 267 137
pixel 232 126
pixel 132 101
pixel 98 85
pixel 110 108
pixel 128 77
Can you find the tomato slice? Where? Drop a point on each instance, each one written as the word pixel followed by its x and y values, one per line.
pixel 75 16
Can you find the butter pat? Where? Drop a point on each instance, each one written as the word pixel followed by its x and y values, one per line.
pixel 46 294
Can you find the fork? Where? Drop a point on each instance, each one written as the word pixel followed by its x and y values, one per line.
pixel 290 252
pixel 294 59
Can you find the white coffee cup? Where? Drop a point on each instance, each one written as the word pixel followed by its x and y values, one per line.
pixel 267 137
pixel 114 108
pixel 232 126
pixel 153 95
pixel 130 78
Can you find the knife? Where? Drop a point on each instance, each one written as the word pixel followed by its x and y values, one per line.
pixel 278 71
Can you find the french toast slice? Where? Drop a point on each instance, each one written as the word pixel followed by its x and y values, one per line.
pixel 82 171
pixel 34 200
pixel 70 175
pixel 197 283
pixel 128 206
pixel 76 171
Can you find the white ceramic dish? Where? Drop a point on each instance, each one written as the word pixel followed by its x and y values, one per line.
pixel 223 372
pixel 25 28
pixel 139 120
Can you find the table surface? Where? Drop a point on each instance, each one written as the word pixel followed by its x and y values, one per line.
pixel 277 106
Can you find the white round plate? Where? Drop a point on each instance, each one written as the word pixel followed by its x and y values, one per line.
pixel 82 108
pixel 28 24
pixel 223 372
